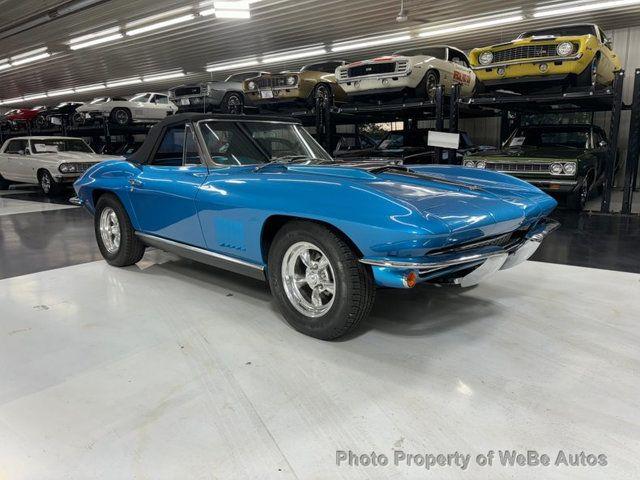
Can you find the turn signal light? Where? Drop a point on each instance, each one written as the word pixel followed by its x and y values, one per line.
pixel 410 279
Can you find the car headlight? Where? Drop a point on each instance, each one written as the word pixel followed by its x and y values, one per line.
pixel 556 168
pixel 252 85
pixel 469 163
pixel 481 164
pixel 291 80
pixel 570 168
pixel 564 49
pixel 485 58
pixel 67 168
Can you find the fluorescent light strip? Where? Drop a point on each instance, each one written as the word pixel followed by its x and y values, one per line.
pixel 124 81
pixel 372 42
pixel 58 93
pixel 13 100
pixel 282 57
pixel 232 66
pixel 90 88
pixel 97 41
pixel 159 25
pixel 29 53
pixel 90 36
pixel 471 25
pixel 22 61
pixel 550 11
pixel 231 5
pixel 35 96
pixel 232 13
pixel 162 76
pixel 4 66
pixel 159 16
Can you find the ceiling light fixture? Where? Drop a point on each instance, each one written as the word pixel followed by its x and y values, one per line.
pixel 226 9
pixel 13 100
pixel 30 56
pixel 22 61
pixel 553 10
pixel 91 36
pixel 162 76
pixel 231 66
pixel 89 88
pixel 159 25
pixel 35 96
pixel 124 81
pixel 4 66
pixel 284 56
pixel 59 93
pixel 96 41
pixel 474 24
pixel 370 42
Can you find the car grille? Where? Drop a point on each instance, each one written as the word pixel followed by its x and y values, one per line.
pixel 186 91
pixel 400 67
pixel 527 51
pixel 518 167
pixel 273 81
pixel 495 241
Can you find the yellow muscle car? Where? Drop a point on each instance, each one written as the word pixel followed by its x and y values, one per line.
pixel 577 55
pixel 305 86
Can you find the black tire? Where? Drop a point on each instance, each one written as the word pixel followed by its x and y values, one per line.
pixel 427 87
pixel 49 186
pixel 233 103
pixel 40 122
pixel 4 184
pixel 130 249
pixel 320 95
pixel 77 119
pixel 577 201
pixel 354 290
pixel 588 77
pixel 120 116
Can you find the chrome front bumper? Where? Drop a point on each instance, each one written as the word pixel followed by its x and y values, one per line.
pixel 487 260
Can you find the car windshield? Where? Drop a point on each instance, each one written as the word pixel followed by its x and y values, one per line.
pixel 251 143
pixel 54 145
pixel 395 140
pixel 550 137
pixel 569 31
pixel 437 52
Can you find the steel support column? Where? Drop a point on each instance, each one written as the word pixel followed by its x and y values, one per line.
pixel 633 147
pixel 439 99
pixel 616 109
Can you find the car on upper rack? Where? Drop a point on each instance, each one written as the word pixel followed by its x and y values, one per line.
pixel 147 107
pixel 61 113
pixel 23 117
pixel 311 84
pixel 415 72
pixel 565 160
pixel 225 96
pixel 258 196
pixel 51 162
pixel 573 55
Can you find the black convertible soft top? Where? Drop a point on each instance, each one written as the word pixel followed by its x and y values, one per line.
pixel 156 134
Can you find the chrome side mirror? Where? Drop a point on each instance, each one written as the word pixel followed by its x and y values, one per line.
pixel 603 144
pixel 608 44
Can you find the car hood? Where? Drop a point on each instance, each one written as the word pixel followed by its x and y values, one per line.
pixel 465 203
pixel 545 154
pixel 62 157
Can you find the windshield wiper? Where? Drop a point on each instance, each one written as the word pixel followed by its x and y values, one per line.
pixel 288 159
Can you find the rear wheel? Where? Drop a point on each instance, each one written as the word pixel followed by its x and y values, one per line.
pixel 320 286
pixel 120 116
pixel 233 103
pixel 48 185
pixel 115 235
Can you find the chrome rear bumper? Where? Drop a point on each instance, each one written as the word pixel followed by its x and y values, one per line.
pixel 488 260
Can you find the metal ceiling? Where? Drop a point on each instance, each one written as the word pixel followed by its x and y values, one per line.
pixel 276 25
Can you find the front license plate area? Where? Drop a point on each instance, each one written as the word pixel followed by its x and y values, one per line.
pixel 266 94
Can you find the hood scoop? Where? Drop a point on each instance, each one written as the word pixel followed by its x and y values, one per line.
pixel 402 170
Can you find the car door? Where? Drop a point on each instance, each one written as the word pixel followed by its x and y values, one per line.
pixel 16 163
pixel 462 72
pixel 159 106
pixel 163 192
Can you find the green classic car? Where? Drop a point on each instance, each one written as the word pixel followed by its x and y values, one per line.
pixel 567 160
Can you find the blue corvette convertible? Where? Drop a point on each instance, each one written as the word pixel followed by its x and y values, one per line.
pixel 258 196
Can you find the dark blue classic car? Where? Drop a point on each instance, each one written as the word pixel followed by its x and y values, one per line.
pixel 258 196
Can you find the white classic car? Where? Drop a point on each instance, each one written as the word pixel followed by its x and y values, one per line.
pixel 50 162
pixel 141 108
pixel 413 72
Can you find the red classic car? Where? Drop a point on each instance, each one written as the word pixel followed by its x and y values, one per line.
pixel 22 115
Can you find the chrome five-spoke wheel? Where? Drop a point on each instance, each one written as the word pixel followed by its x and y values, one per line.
pixel 110 230
pixel 308 279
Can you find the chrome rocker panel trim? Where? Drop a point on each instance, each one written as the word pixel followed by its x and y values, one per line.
pixel 205 256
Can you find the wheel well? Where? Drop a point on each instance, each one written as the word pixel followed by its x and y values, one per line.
pixel 40 172
pixel 97 193
pixel 273 224
pixel 121 108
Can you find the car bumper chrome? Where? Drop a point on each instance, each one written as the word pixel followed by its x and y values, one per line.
pixel 76 201
pixel 487 260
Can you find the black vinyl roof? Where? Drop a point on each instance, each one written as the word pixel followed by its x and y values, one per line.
pixel 155 135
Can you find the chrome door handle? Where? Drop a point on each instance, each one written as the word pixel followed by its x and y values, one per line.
pixel 134 182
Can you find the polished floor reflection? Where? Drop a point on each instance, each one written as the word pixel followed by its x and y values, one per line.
pixel 172 370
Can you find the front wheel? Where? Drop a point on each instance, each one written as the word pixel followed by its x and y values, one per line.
pixel 589 77
pixel 428 86
pixel 232 103
pixel 115 235
pixel 318 282
pixel 578 200
pixel 121 116
pixel 48 185
pixel 320 96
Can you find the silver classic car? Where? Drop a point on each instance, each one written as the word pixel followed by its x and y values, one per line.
pixel 226 96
